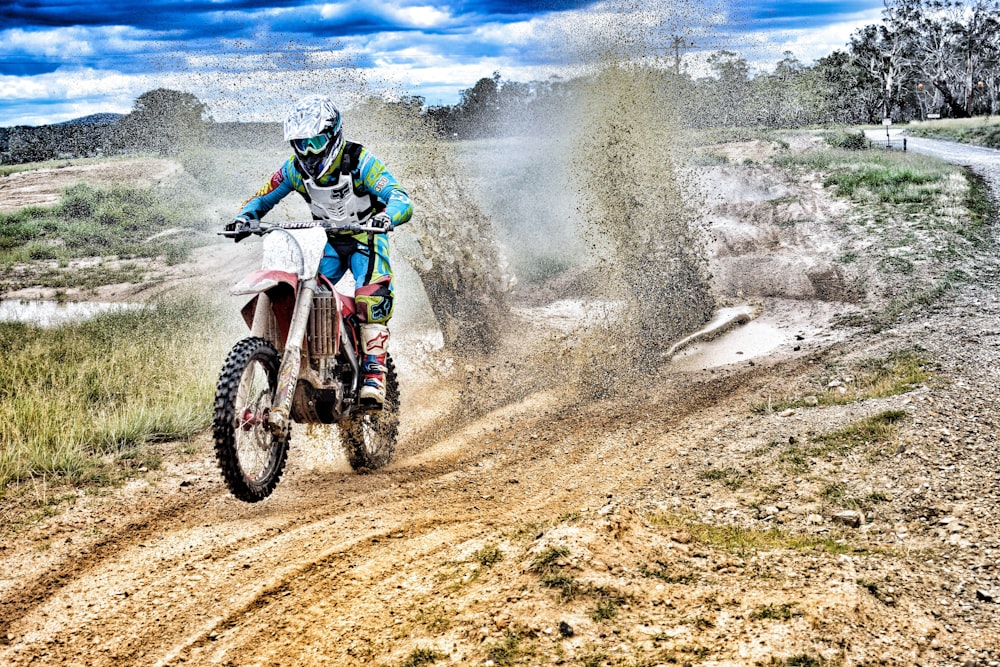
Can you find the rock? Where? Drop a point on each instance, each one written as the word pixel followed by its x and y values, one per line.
pixel 985 596
pixel 565 629
pixel 771 510
pixel 786 413
pixel 849 518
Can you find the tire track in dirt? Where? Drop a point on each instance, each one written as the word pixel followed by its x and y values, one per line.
pixel 32 593
pixel 141 599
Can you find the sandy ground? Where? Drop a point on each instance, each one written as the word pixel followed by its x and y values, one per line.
pixel 43 187
pixel 661 526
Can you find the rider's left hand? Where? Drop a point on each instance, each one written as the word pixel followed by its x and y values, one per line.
pixel 382 222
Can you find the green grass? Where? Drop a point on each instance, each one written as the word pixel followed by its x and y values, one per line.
pixel 489 555
pixel 90 222
pixel 730 477
pixel 897 373
pixel 869 433
pixel 776 612
pixel 423 656
pixel 983 209
pixel 545 565
pixel 79 402
pixel 745 541
pixel 508 650
pixel 879 177
pixel 893 184
pixel 878 428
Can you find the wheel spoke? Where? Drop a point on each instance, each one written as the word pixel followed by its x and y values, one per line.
pixel 250 455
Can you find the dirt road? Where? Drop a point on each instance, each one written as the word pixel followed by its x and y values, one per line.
pixel 679 522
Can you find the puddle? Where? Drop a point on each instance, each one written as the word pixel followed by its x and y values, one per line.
pixel 781 327
pixel 53 313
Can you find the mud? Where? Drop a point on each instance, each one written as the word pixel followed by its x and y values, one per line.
pixel 667 524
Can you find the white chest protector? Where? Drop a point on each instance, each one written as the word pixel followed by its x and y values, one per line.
pixel 338 203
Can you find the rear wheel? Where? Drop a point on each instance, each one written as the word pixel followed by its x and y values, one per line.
pixel 250 455
pixel 369 436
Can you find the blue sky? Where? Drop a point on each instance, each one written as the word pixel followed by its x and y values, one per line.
pixel 248 59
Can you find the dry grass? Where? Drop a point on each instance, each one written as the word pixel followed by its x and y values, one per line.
pixel 79 402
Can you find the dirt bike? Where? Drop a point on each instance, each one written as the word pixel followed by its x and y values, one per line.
pixel 300 363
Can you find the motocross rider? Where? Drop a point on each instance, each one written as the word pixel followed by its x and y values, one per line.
pixel 342 181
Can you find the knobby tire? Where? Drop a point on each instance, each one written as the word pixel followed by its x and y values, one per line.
pixel 250 456
pixel 369 436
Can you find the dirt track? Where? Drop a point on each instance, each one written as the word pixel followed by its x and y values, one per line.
pixel 657 527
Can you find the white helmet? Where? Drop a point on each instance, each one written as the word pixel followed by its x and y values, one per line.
pixel 316 134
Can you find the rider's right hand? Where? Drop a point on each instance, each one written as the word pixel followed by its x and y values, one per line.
pixel 243 226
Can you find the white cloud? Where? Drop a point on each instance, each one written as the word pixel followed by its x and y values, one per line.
pixel 236 82
pixel 765 48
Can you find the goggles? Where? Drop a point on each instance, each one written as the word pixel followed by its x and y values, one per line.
pixel 311 145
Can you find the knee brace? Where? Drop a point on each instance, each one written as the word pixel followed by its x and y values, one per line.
pixel 374 301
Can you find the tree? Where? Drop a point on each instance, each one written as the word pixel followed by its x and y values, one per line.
pixel 162 121
pixel 849 94
pixel 886 50
pixel 974 27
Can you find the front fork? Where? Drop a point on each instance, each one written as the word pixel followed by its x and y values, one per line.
pixel 288 373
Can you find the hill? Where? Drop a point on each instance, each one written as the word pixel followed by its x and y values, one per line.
pixel 94 119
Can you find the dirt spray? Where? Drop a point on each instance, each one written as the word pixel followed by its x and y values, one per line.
pixel 456 255
pixel 638 211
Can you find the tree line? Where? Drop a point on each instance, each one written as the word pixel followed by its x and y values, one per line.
pixel 925 59
pixel 161 121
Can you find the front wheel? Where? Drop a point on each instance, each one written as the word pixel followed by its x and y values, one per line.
pixel 250 455
pixel 369 436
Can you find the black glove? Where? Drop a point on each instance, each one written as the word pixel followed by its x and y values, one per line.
pixel 242 226
pixel 382 222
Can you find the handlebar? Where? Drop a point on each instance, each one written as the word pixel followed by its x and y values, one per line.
pixel 262 228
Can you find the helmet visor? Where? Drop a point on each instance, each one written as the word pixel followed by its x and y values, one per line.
pixel 311 145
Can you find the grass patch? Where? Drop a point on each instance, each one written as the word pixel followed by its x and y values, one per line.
pixel 79 402
pixel 897 373
pixel 606 606
pixel 489 555
pixel 890 184
pixel 546 565
pixel 983 209
pixel 875 430
pixel 663 572
pixel 976 131
pixel 745 541
pixel 878 428
pixel 435 618
pixel 914 302
pixel 776 612
pixel 527 531
pixel 91 222
pixel 508 650
pixel 733 479
pixel 423 656
pixel 907 180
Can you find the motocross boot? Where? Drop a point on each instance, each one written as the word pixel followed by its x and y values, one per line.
pixel 374 345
